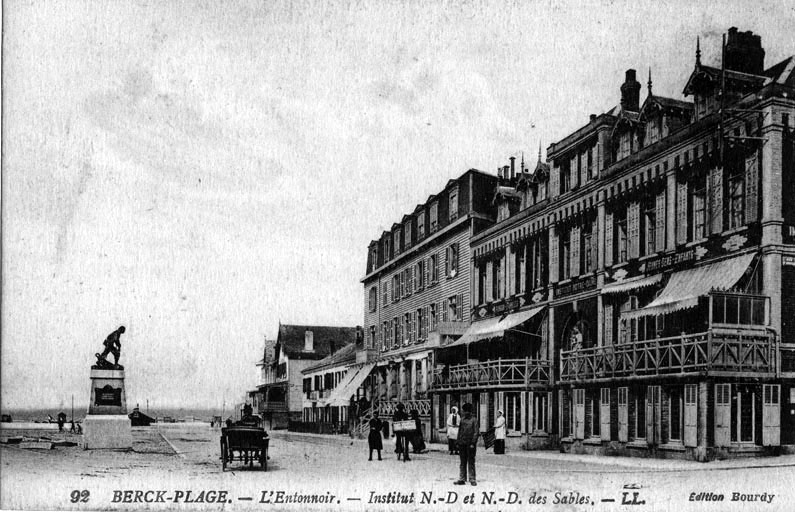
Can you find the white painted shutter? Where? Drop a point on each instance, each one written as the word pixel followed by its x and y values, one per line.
pixel 681 212
pixel 691 415
pixel 607 320
pixel 574 263
pixel 633 229
pixel 723 414
pixel 623 415
pixel 553 258
pixel 716 200
pixel 771 415
pixel 752 187
pixel 579 414
pixel 608 238
pixel 604 414
pixel 523 412
pixel 659 236
pixel 653 415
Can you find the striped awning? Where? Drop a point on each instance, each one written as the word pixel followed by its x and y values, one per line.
pixel 685 287
pixel 628 285
pixel 494 327
pixel 341 395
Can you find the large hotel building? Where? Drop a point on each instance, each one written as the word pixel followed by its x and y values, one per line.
pixel 633 294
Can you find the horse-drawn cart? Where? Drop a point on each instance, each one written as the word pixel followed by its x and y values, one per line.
pixel 244 444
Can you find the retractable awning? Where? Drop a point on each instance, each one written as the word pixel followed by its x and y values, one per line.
pixel 494 327
pixel 631 284
pixel 685 287
pixel 342 393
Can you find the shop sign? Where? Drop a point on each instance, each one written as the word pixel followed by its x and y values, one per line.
pixel 578 286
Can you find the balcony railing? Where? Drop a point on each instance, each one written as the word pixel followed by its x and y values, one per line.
pixel 387 408
pixel 494 373
pixel 712 351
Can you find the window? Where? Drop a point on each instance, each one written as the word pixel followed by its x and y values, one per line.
pixel 407 282
pixel 434 263
pixel 565 254
pixel 407 328
pixel 387 249
pixel 675 417
pixel 587 249
pixel 421 225
pixel 519 266
pixel 453 309
pixel 420 327
pixel 699 210
pixel 453 200
pixel 637 414
pixel 407 233
pixel 433 316
pixel 621 253
pixel 395 287
pixel 397 336
pixel 513 412
pixel 738 309
pixel 373 298
pixel 496 279
pixel 540 407
pixel 373 258
pixel 385 342
pixel 451 265
pixel 385 294
pixel 565 176
pixel 434 217
pixel 419 275
pixel 396 241
pixel 650 224
pixel 737 200
pixel 592 413
pixel 482 283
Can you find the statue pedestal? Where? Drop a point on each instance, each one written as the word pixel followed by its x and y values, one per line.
pixel 107 426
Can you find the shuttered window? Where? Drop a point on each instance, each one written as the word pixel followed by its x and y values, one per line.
pixel 608 324
pixel 633 229
pixel 553 257
pixel 681 213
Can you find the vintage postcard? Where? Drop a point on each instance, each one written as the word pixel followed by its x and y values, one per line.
pixel 365 255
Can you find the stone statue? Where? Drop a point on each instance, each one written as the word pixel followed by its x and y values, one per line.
pixel 112 346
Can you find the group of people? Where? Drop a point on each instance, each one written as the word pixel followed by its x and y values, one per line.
pixel 403 439
pixel 463 432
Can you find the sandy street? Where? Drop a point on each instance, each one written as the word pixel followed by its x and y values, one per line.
pixel 179 466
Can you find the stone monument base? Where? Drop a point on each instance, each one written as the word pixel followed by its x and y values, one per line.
pixel 107 431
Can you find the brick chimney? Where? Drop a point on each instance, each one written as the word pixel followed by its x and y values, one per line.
pixel 309 341
pixel 630 92
pixel 513 167
pixel 744 52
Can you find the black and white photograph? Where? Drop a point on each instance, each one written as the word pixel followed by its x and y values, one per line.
pixel 383 255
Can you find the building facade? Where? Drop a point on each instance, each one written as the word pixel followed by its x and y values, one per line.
pixel 636 294
pixel 417 292
pixel 279 398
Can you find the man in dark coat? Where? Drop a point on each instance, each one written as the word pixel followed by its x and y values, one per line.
pixel 468 433
pixel 401 438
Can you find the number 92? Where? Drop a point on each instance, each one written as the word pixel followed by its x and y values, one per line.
pixel 80 496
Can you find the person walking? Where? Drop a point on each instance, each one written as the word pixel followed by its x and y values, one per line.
pixel 417 441
pixel 401 438
pixel 453 421
pixel 374 438
pixel 468 433
pixel 499 433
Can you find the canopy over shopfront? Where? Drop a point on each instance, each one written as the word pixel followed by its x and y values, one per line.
pixel 685 287
pixel 629 285
pixel 353 379
pixel 494 327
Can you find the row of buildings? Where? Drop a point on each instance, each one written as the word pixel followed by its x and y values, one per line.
pixel 633 293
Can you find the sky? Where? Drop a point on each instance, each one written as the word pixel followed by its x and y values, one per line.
pixel 201 171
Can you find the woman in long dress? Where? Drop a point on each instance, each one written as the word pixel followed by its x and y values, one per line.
pixel 374 438
pixel 417 441
pixel 499 433
pixel 453 420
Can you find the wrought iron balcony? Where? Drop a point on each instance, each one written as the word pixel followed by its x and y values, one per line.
pixel 492 374
pixel 387 408
pixel 717 351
